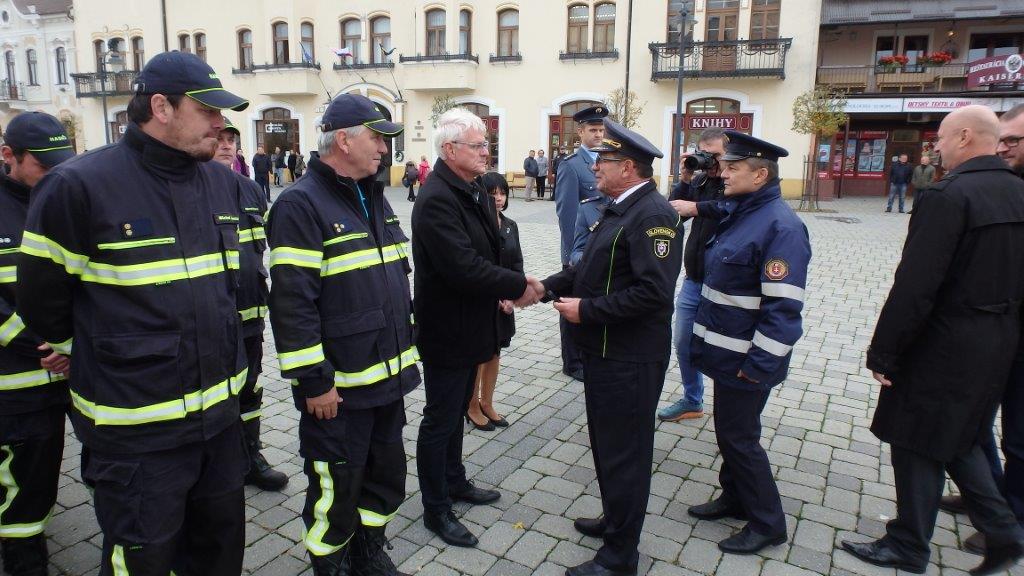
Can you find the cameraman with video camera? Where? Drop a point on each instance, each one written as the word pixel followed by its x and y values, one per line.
pixel 697 196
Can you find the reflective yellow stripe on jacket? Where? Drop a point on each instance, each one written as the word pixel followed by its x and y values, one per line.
pixel 10 329
pixel 250 234
pixel 362 259
pixel 299 358
pixel 253 313
pixel 171 410
pixel 8 274
pixel 377 372
pixel 29 379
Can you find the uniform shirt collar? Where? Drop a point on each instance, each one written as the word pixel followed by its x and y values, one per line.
pixel 169 163
pixel 585 150
pixel 622 197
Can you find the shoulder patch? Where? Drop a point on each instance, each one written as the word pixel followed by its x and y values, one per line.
pixel 661 231
pixel 776 269
pixel 662 247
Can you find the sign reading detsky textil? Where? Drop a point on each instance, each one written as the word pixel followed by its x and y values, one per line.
pixel 995 70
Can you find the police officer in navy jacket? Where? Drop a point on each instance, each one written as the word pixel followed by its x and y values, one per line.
pixel 748 320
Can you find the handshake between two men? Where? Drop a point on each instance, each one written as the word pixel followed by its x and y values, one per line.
pixel 535 292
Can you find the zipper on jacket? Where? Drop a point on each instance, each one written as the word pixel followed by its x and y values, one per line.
pixel 608 289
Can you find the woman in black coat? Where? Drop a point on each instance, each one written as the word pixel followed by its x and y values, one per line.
pixel 481 411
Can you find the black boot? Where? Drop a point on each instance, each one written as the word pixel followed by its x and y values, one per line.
pixel 25 556
pixel 368 555
pixel 336 564
pixel 260 475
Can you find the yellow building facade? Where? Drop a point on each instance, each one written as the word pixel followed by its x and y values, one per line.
pixel 525 67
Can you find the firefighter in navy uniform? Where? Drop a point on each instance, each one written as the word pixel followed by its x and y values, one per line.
pixel 252 307
pixel 342 317
pixel 132 250
pixel 33 387
pixel 574 183
pixel 748 319
pixel 621 313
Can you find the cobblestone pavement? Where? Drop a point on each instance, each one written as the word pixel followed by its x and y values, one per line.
pixel 835 478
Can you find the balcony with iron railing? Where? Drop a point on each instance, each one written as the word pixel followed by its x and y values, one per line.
pixel 726 59
pixel 97 84
pixel 343 66
pixel 440 72
pixel 948 78
pixel 11 91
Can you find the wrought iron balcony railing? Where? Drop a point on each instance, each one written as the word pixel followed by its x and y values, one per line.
pixel 497 58
pixel 11 91
pixel 96 84
pixel 612 54
pixel 280 67
pixel 364 65
pixel 440 58
pixel 728 59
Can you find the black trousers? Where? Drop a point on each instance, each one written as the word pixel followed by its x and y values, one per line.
pixel 264 184
pixel 621 400
pixel 355 463
pixel 439 445
pixel 919 484
pixel 540 186
pixel 181 509
pixel 250 397
pixel 746 475
pixel 31 448
pixel 570 355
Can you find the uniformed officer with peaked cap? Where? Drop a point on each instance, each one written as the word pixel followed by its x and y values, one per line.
pixel 748 320
pixel 619 300
pixel 574 183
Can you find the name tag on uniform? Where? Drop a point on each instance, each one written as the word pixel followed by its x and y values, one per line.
pixel 225 219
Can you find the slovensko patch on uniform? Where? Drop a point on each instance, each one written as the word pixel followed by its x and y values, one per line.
pixel 661 247
pixel 661 231
pixel 776 269
pixel 140 228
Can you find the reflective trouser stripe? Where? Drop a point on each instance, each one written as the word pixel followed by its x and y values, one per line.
pixel 117 561
pixel 374 519
pixel 10 329
pixel 10 487
pixel 363 259
pixel 379 371
pixel 171 410
pixel 253 313
pixel 299 358
pixel 29 379
pixel 314 536
pixel 247 416
pixel 8 274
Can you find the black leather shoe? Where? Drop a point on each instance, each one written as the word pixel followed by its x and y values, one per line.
pixel 576 374
pixel 881 553
pixel 717 509
pixel 953 504
pixel 975 543
pixel 474 495
pixel 747 541
pixel 594 527
pixel 448 527
pixel 25 556
pixel 999 559
pixel 592 568
pixel 336 564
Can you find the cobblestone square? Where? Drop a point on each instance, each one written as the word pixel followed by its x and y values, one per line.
pixel 833 474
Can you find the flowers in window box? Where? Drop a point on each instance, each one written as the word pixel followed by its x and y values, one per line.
pixel 936 58
pixel 893 61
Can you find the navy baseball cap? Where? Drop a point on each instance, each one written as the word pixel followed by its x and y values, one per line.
pixel 174 73
pixel 350 110
pixel 229 126
pixel 41 135
pixel 592 115
pixel 622 140
pixel 741 146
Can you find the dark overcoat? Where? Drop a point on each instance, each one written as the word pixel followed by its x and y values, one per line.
pixel 948 332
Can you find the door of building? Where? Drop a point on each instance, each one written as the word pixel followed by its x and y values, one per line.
pixel 562 128
pixel 721 25
pixel 277 129
pixel 492 135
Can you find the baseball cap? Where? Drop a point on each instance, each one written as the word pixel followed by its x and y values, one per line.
pixel 40 134
pixel 183 73
pixel 350 110
pixel 229 126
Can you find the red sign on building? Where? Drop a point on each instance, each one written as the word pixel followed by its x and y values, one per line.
pixel 995 70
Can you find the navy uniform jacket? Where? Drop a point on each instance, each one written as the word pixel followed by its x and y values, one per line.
pixel 586 217
pixel 24 385
pixel 574 183
pixel 755 270
pixel 626 280
pixel 132 249
pixel 340 301
pixel 252 237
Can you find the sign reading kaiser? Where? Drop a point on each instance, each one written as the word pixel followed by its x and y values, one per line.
pixel 995 70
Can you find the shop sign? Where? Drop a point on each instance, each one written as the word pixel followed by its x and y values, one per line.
pixel 275 128
pixel 995 70
pixel 944 104
pixel 855 105
pixel 702 122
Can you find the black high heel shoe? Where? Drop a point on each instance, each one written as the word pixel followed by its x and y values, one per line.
pixel 489 427
pixel 500 422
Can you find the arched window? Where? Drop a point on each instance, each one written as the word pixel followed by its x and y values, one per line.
pixel 380 36
pixel 61 58
pixel 245 49
pixel 184 43
pixel 604 27
pixel 12 76
pixel 465 32
pixel 138 53
pixel 351 37
pixel 200 39
pixel 280 34
pixel 306 42
pixel 33 67
pixel 435 32
pixel 508 32
pixel 579 24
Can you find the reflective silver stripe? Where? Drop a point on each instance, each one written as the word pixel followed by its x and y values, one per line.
pixel 745 302
pixel 773 347
pixel 29 379
pixel 780 290
pixel 378 371
pixel 8 274
pixel 40 246
pixel 157 272
pixel 720 340
pixel 10 329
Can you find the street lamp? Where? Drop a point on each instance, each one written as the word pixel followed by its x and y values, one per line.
pixel 112 58
pixel 686 22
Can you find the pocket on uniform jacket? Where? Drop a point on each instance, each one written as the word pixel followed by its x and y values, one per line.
pixel 742 257
pixel 135 370
pixel 230 247
pixel 355 336
pixel 118 497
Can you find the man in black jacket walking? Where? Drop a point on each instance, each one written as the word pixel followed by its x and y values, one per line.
pixel 944 324
pixel 899 176
pixel 459 281
pixel 261 167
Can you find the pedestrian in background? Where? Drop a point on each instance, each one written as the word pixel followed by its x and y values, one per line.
pixel 899 177
pixel 262 166
pixel 424 170
pixel 279 164
pixel 409 179
pixel 530 174
pixel 924 175
pixel 542 173
pixel 481 412
pixel 300 164
pixel 293 161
